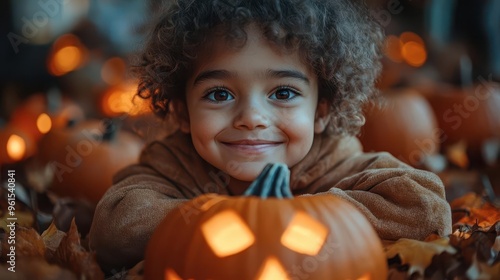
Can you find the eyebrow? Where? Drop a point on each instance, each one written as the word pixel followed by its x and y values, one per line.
pixel 288 74
pixel 223 74
pixel 212 74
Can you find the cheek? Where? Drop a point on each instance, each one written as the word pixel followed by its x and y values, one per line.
pixel 300 133
pixel 205 125
pixel 298 125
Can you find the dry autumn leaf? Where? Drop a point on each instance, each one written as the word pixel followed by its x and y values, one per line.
pixel 36 268
pixel 52 238
pixel 478 243
pixel 418 254
pixel 474 209
pixel 485 216
pixel 28 244
pixel 72 255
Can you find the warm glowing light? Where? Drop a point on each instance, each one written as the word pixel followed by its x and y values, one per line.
pixel 67 54
pixel 65 41
pixel 65 60
pixel 207 205
pixel 16 147
pixel 457 154
pixel 171 275
pixel 365 276
pixel 113 71
pixel 272 270
pixel 304 235
pixel 408 36
pixel 393 48
pixel 43 123
pixel 227 234
pixel 122 99
pixel 408 47
pixel 414 53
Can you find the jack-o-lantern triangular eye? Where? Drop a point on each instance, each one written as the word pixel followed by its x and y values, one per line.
pixel 304 235
pixel 227 234
pixel 171 275
pixel 272 270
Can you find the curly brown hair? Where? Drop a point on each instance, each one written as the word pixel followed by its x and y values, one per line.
pixel 338 38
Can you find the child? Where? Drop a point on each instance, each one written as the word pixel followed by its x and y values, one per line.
pixel 254 82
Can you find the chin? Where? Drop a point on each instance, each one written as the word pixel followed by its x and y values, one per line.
pixel 245 171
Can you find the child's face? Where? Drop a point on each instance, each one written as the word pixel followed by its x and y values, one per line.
pixel 251 106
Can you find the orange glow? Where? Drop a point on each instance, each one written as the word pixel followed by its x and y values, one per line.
pixel 171 275
pixel 408 47
pixel 67 54
pixel 113 71
pixel 408 36
pixel 393 48
pixel 43 123
pixel 457 154
pixel 207 205
pixel 414 53
pixel 227 234
pixel 272 270
pixel 304 235
pixel 122 99
pixel 365 276
pixel 66 40
pixel 16 147
pixel 66 60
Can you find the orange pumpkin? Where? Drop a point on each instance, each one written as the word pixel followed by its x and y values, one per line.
pixel 471 115
pixel 29 116
pixel 84 157
pixel 403 124
pixel 222 237
pixel 15 145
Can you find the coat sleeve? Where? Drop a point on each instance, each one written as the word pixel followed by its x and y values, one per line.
pixel 127 215
pixel 399 201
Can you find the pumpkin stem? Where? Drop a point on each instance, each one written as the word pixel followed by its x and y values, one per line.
pixel 111 128
pixel 273 181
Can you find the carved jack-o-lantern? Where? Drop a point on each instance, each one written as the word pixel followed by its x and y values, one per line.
pixel 221 237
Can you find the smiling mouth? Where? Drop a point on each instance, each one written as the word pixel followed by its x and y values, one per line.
pixel 252 146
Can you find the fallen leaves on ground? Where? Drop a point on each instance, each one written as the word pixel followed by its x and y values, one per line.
pixel 472 208
pixel 471 252
pixel 52 255
pixel 418 254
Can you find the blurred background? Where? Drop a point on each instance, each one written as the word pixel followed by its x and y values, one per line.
pixel 68 120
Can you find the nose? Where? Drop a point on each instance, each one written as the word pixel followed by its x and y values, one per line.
pixel 251 115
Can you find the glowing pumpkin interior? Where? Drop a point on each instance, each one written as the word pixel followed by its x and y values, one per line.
pixel 235 239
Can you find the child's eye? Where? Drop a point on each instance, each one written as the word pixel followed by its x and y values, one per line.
pixel 284 94
pixel 218 95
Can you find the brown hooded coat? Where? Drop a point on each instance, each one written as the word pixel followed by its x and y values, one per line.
pixel 398 200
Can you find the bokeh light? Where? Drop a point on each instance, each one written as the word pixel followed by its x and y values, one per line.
pixel 16 147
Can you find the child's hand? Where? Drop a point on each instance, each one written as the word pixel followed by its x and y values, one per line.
pixel 273 181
